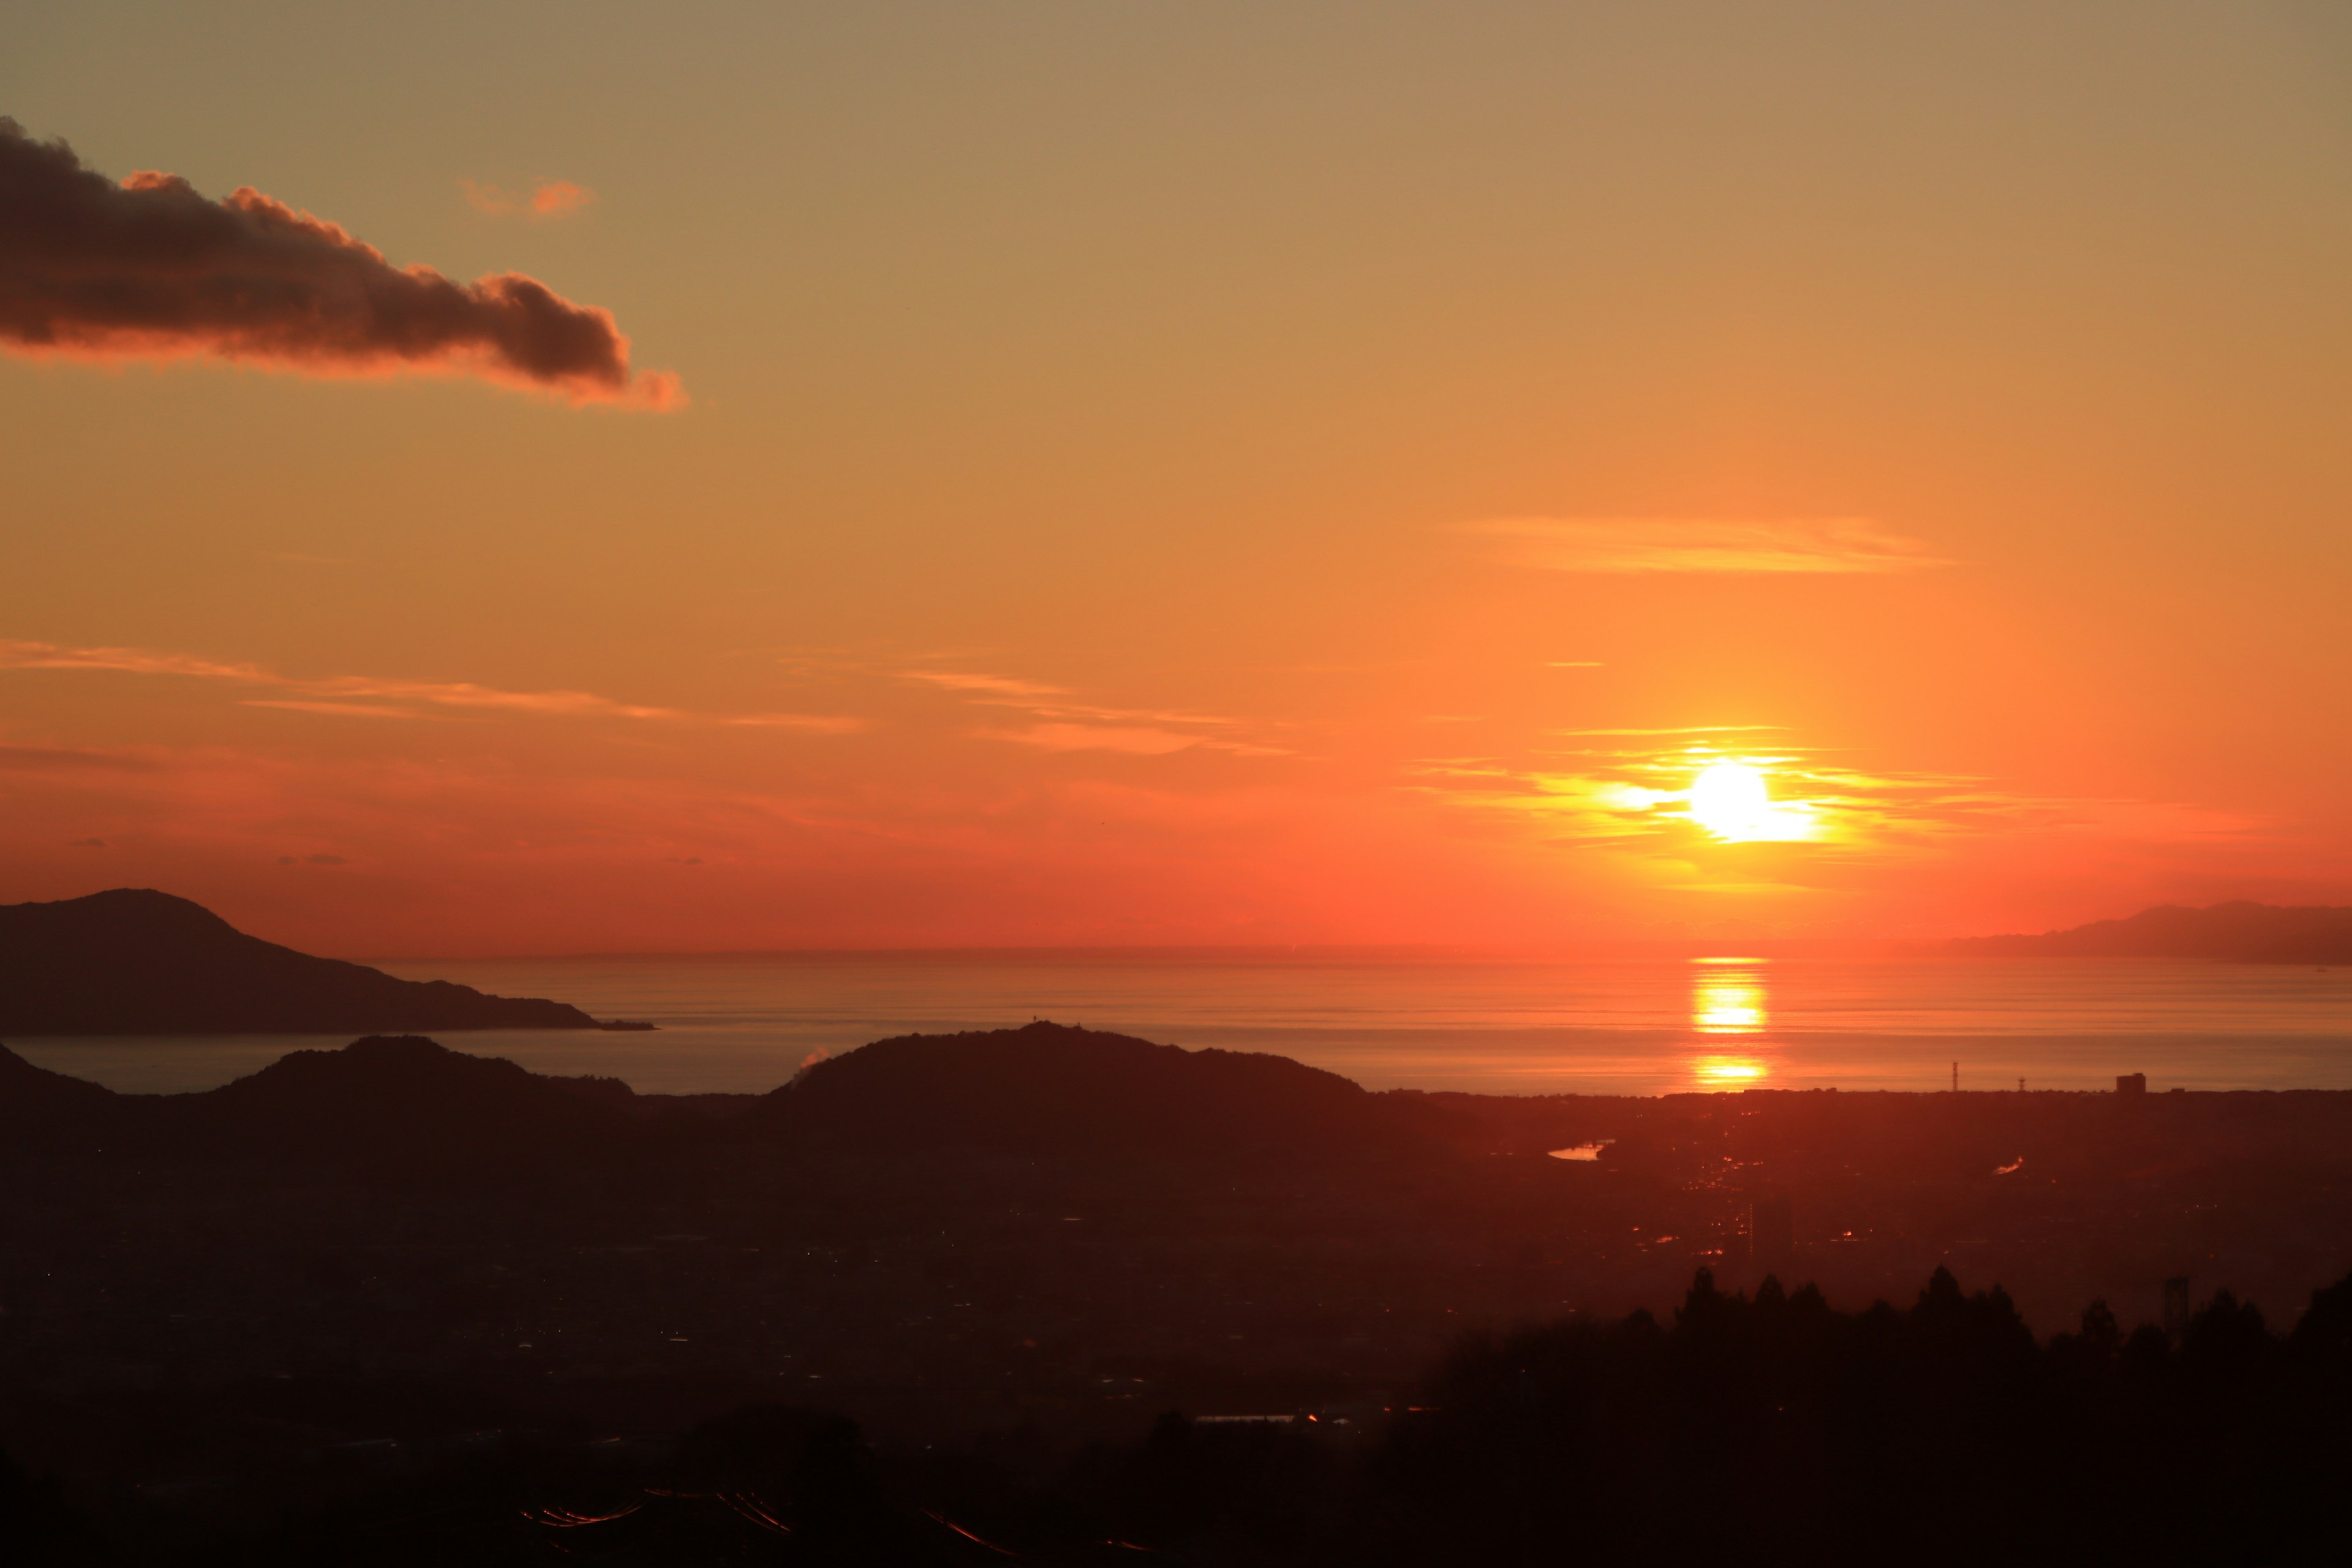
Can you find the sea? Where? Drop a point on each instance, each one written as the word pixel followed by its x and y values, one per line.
pixel 745 1023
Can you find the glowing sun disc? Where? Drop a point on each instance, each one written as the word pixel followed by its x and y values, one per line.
pixel 1729 800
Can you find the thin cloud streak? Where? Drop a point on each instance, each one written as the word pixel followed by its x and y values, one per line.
pixel 351 710
pixel 1641 803
pixel 1135 740
pixel 1660 544
pixel 149 269
pixel 1132 740
pixel 338 690
pixel 1680 730
pixel 1083 727
pixel 1002 686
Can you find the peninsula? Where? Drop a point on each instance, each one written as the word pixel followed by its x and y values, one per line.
pixel 133 961
pixel 2242 932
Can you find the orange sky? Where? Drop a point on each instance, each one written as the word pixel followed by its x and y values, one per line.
pixel 1213 473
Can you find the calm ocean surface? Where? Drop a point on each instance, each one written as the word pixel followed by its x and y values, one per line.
pixel 1634 1027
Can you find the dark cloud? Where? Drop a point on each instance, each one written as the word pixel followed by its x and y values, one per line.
pixel 149 269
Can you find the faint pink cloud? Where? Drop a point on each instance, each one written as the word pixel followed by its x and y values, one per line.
pixel 1653 544
pixel 987 685
pixel 547 199
pixel 558 198
pixel 351 710
pixel 346 695
pixel 495 200
pixel 1068 726
pixel 1136 740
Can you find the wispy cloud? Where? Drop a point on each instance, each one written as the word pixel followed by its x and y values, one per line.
pixel 546 199
pixel 378 696
pixel 814 723
pixel 1653 544
pixel 1641 799
pixel 1066 725
pixel 999 686
pixel 1135 740
pixel 341 710
pixel 1679 729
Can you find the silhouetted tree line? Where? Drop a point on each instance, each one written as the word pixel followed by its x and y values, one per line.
pixel 1748 1428
pixel 1943 1433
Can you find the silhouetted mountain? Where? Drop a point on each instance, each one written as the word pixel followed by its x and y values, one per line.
pixel 2241 931
pixel 137 962
pixel 396 1104
pixel 387 1109
pixel 34 1099
pixel 1049 1089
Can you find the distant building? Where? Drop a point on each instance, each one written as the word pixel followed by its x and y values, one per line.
pixel 1773 1232
pixel 2176 1308
pixel 2131 1083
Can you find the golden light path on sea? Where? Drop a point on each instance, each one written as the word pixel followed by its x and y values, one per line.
pixel 1729 998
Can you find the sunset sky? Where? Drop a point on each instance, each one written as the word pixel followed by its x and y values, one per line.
pixel 1184 473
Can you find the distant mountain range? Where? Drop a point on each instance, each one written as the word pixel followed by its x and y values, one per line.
pixel 399 1108
pixel 137 962
pixel 407 1108
pixel 2241 931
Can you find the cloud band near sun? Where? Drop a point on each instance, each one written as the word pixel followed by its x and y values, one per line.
pixel 1647 544
pixel 1653 800
pixel 150 269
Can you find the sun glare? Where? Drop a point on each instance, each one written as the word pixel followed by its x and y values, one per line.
pixel 1727 996
pixel 1730 801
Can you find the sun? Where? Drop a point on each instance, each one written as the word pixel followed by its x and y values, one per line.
pixel 1729 800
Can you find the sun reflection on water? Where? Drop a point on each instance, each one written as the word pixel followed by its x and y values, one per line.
pixel 1728 997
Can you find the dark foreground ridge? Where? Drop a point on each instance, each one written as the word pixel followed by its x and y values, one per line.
pixel 135 962
pixel 929 1302
pixel 1744 1429
pixel 2239 933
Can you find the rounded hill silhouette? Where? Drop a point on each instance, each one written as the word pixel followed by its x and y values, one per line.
pixel 1048 1089
pixel 402 1103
